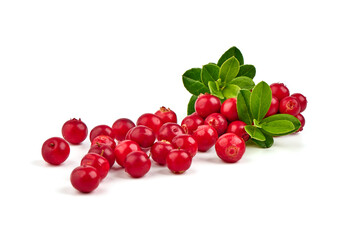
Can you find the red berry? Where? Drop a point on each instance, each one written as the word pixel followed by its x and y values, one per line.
pixel 137 164
pixel 160 150
pixel 85 179
pixel 238 128
pixel 302 121
pixel 102 139
pixel 207 104
pixel 279 90
pixel 123 149
pixel 190 123
pixel 95 160
pixel 55 150
pixel 121 127
pixel 166 115
pixel 274 107
pixel 105 151
pixel 185 142
pixel 168 131
pixel 218 121
pixel 230 148
pixel 178 161
pixel 151 121
pixel 143 135
pixel 290 105
pixel 205 136
pixel 302 100
pixel 229 110
pixel 101 130
pixel 74 131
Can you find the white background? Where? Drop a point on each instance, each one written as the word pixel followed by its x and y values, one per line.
pixel 102 60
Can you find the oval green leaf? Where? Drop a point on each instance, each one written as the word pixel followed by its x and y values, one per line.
pixel 232 52
pixel 260 100
pixel 209 72
pixel 192 81
pixel 229 69
pixel 247 70
pixel 230 91
pixel 243 82
pixel 191 105
pixel 243 106
pixel 278 127
pixel 214 90
pixel 278 117
pixel 269 141
pixel 255 133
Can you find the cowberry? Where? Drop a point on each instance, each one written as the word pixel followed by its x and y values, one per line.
pixel 302 100
pixel 99 162
pixel 121 127
pixel 228 109
pixel 190 123
pixel 160 150
pixel 302 121
pixel 207 104
pixel 238 128
pixel 205 136
pixel 178 161
pixel 101 130
pixel 279 90
pixel 85 178
pixel 74 131
pixel 150 120
pixel 274 107
pixel 137 164
pixel 55 150
pixel 123 149
pixel 185 142
pixel 143 135
pixel 102 139
pixel 105 151
pixel 289 105
pixel 218 121
pixel 230 148
pixel 168 131
pixel 166 115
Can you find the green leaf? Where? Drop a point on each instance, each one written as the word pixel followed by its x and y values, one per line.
pixel 269 141
pixel 247 70
pixel 278 127
pixel 192 81
pixel 209 72
pixel 233 51
pixel 255 133
pixel 191 105
pixel 243 106
pixel 260 100
pixel 214 90
pixel 229 69
pixel 230 91
pixel 278 117
pixel 243 82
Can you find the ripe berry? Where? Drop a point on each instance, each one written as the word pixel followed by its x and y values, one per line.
pixel 166 115
pixel 168 131
pixel 85 178
pixel 238 128
pixel 74 131
pixel 143 135
pixel 190 123
pixel 121 127
pixel 185 142
pixel 160 150
pixel 207 104
pixel 55 150
pixel 302 100
pixel 178 161
pixel 105 151
pixel 137 164
pixel 101 130
pixel 95 160
pixel 230 148
pixel 151 121
pixel 289 105
pixel 218 121
pixel 279 90
pixel 123 149
pixel 229 110
pixel 274 107
pixel 205 136
pixel 102 139
pixel 302 121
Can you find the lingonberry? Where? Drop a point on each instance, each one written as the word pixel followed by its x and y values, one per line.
pixel 207 104
pixel 101 130
pixel 160 150
pixel 218 121
pixel 85 178
pixel 105 151
pixel 230 148
pixel 178 161
pixel 238 128
pixel 185 142
pixel 55 150
pixel 137 164
pixel 279 90
pixel 274 107
pixel 168 131
pixel 302 121
pixel 102 139
pixel 151 121
pixel 143 135
pixel 74 131
pixel 229 110
pixel 166 115
pixel 289 105
pixel 190 123
pixel 205 136
pixel 123 149
pixel 99 162
pixel 121 127
pixel 302 100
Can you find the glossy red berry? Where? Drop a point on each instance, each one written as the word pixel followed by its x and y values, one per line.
pixel 302 100
pixel 151 121
pixel 230 148
pixel 185 142
pixel 137 164
pixel 238 128
pixel 95 160
pixel 101 130
pixel 178 161
pixel 205 136
pixel 160 150
pixel 218 121
pixel 274 107
pixel 168 131
pixel 121 127
pixel 85 179
pixel 229 110
pixel 123 149
pixel 190 123
pixel 279 90
pixel 74 131
pixel 207 104
pixel 143 135
pixel 55 150
pixel 302 121
pixel 105 151
pixel 166 115
pixel 290 105
pixel 102 139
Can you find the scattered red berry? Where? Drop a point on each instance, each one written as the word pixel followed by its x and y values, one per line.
pixel 302 100
pixel 230 148
pixel 168 131
pixel 137 164
pixel 74 131
pixel 238 128
pixel 85 178
pixel 178 161
pixel 279 90
pixel 185 142
pixel 101 130
pixel 190 123
pixel 151 121
pixel 205 136
pixel 166 115
pixel 55 150
pixel 274 107
pixel 121 127
pixel 229 110
pixel 160 150
pixel 218 121
pixel 143 135
pixel 106 140
pixel 105 151
pixel 99 162
pixel 302 121
pixel 207 104
pixel 123 149
pixel 289 105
